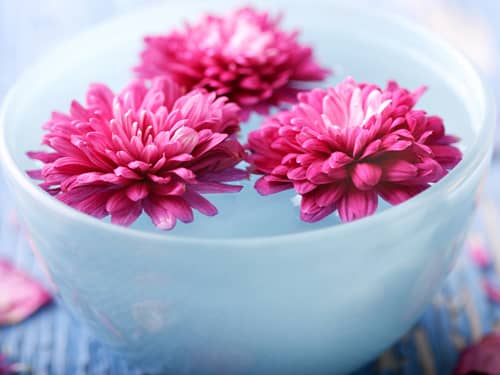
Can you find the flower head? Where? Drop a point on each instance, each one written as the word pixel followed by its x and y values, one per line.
pixel 481 358
pixel 244 56
pixel 20 296
pixel 343 147
pixel 152 149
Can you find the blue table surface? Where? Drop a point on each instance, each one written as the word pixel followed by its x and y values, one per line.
pixel 52 342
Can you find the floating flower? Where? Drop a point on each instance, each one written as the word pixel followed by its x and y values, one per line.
pixel 343 147
pixel 481 358
pixel 149 149
pixel 20 296
pixel 244 56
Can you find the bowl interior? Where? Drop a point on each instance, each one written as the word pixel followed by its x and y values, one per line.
pixel 352 42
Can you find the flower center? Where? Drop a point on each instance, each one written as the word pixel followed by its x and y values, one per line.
pixel 352 109
pixel 248 38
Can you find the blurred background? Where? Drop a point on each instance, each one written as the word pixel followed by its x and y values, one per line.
pixel 52 343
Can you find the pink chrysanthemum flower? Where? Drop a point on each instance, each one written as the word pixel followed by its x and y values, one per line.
pixel 342 148
pixel 244 56
pixel 153 149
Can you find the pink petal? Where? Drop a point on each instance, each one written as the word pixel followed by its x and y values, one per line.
pixel 357 204
pixel 397 170
pixel 268 185
pixel 193 107
pixel 396 194
pixel 339 160
pixel 448 156
pixel 126 216
pixel 480 255
pixel 362 140
pixel 140 165
pixel 35 174
pixel 91 200
pixel 81 180
pixel 480 358
pixel 20 296
pixel 251 83
pixel 169 188
pixel 215 187
pixel 299 173
pixel 213 141
pixel 178 207
pixel 334 110
pixel 159 180
pixel 171 91
pixel 126 173
pixel 315 170
pixel 196 201
pixel 304 187
pixel 162 218
pixel 185 174
pixel 429 171
pixel 78 111
pixel 137 192
pixel 365 175
pixel 371 148
pixel 187 137
pixel 118 202
pixel 310 212
pixel 46 157
pixel 101 98
pixel 132 96
pixel 328 195
pixel 72 165
pixel 181 158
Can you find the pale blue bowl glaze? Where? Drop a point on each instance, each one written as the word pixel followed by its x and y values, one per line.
pixel 254 290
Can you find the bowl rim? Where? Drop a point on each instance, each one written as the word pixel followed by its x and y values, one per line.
pixel 477 152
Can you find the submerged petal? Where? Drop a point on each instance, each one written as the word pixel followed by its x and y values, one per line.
pixel 356 204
